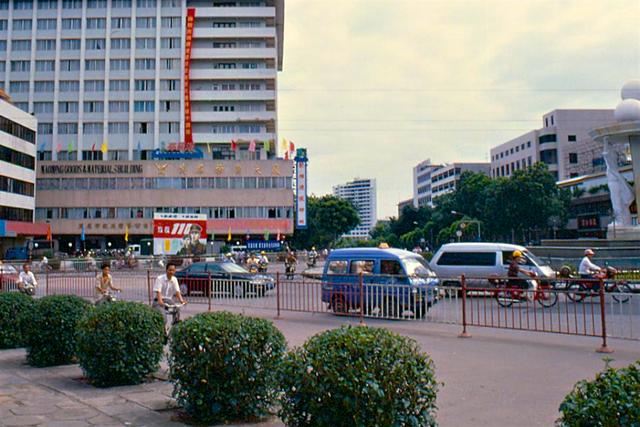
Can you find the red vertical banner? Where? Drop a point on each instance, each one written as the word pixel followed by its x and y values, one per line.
pixel 188 40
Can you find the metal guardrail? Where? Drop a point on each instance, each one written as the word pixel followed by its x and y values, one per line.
pixel 573 308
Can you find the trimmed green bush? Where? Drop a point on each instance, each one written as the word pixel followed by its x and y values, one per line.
pixel 120 343
pixel 224 366
pixel 14 307
pixel 358 376
pixel 52 329
pixel 611 400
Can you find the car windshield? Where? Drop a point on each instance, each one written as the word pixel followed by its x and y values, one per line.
pixel 417 266
pixel 534 259
pixel 230 267
pixel 8 269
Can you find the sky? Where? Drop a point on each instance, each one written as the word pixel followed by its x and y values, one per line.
pixel 373 87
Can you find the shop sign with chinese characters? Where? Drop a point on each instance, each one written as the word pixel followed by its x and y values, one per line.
pixel 301 188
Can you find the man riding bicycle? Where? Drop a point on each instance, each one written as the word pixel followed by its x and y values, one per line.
pixel 26 279
pixel 104 283
pixel 518 259
pixel 166 288
pixel 589 270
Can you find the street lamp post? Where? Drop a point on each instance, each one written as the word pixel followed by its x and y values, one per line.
pixel 470 221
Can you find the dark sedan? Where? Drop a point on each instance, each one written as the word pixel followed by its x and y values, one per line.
pixel 224 278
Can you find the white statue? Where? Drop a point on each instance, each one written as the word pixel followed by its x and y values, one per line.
pixel 620 191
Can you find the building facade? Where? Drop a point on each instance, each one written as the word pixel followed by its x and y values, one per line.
pixel 422 183
pixel 563 144
pixel 122 81
pixel 17 175
pixel 445 179
pixel 403 204
pixel 362 193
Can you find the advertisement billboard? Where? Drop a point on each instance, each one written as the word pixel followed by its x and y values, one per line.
pixel 179 234
pixel 301 188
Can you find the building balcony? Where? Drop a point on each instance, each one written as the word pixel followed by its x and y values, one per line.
pixel 238 32
pixel 203 138
pixel 213 74
pixel 233 95
pixel 236 116
pixel 235 12
pixel 233 53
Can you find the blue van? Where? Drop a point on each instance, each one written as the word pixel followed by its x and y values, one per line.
pixel 384 282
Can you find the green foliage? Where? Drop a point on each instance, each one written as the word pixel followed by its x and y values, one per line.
pixel 120 343
pixel 611 400
pixel 328 218
pixel 51 330
pixel 14 308
pixel 225 249
pixel 224 366
pixel 358 376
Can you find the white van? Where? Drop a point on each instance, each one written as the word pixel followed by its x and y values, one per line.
pixel 134 249
pixel 481 261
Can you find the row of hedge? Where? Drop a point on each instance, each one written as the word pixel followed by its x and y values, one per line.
pixel 228 367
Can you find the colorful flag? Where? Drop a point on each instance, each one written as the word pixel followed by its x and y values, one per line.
pixel 49 238
pixel 278 236
pixel 41 147
pixel 234 145
pixel 59 147
pixel 252 146
pixel 267 145
pixel 266 234
pixel 229 235
pixel 104 147
pixel 93 147
pixel 139 147
pixel 209 148
pixel 284 145
pixel 292 148
pixel 126 233
pixel 70 147
pixel 286 155
pixel 82 233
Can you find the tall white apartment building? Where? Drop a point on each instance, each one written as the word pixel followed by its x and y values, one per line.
pixel 431 181
pixel 422 183
pixel 131 76
pixel 561 144
pixel 17 163
pixel 362 193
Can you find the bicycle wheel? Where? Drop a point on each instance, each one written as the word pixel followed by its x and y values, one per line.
pixel 504 296
pixel 546 296
pixel 577 292
pixel 621 292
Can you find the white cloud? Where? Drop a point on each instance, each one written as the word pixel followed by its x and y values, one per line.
pixel 372 87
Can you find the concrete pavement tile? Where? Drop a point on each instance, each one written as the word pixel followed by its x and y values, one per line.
pixel 111 400
pixel 73 414
pixel 150 400
pixel 66 423
pixel 70 404
pixel 23 420
pixel 147 418
pixel 35 409
pixel 121 408
pixel 104 420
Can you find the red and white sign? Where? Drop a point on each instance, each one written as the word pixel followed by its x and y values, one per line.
pixel 188 41
pixel 179 234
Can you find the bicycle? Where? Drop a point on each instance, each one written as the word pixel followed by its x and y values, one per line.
pixel 173 310
pixel 581 289
pixel 507 293
pixel 108 296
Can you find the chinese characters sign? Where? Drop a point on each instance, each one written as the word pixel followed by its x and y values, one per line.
pixel 188 40
pixel 179 234
pixel 301 189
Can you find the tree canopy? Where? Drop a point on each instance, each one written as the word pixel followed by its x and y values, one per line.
pixel 328 217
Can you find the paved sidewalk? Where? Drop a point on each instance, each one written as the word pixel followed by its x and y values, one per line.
pixel 496 378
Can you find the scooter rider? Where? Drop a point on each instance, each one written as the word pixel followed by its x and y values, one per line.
pixel 588 269
pixel 166 288
pixel 263 261
pixel 26 278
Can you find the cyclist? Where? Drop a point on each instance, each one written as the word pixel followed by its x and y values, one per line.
pixel 166 288
pixel 263 262
pixel 517 259
pixel 588 270
pixel 26 278
pixel 104 282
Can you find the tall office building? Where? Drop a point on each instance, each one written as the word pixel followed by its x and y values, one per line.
pixel 112 81
pixel 142 74
pixel 563 144
pixel 362 193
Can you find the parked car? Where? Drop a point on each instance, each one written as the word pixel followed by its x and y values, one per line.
pixel 393 281
pixel 8 277
pixel 479 262
pixel 224 278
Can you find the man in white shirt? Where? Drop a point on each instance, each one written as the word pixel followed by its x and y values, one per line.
pixel 26 279
pixel 166 287
pixel 588 269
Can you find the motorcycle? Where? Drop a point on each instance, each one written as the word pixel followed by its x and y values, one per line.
pixel 107 297
pixel 311 260
pixel 262 266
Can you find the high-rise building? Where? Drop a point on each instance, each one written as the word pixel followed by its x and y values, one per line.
pixel 17 174
pixel 115 83
pixel 362 193
pixel 422 183
pixel 431 181
pixel 122 71
pixel 563 144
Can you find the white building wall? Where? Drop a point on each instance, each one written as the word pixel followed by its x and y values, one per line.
pixel 362 193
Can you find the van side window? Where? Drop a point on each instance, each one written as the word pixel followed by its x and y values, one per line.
pixel 468 258
pixel 361 266
pixel 337 267
pixel 506 257
pixel 390 267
